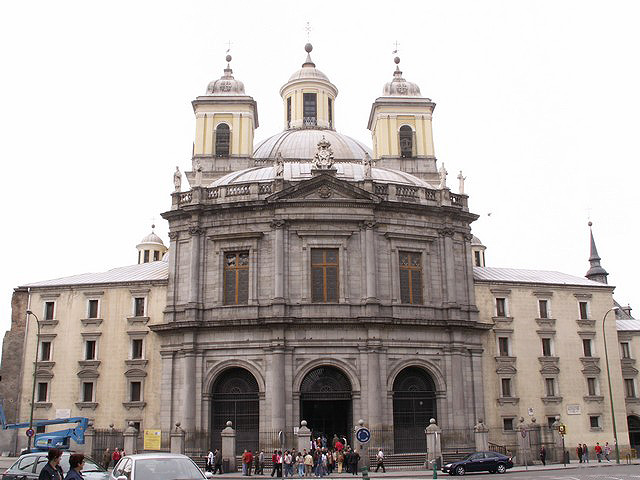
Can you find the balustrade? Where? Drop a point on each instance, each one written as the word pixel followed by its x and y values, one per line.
pixel 235 190
pixel 185 197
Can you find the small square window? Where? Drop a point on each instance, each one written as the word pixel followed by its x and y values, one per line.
pixel 551 421
pixel 594 421
pixel 136 348
pixel 506 387
pixel 584 311
pixel 507 424
pixel 45 351
pixel 586 347
pixel 42 392
pixel 138 306
pixel 503 346
pixel 156 255
pixel 93 309
pixel 591 386
pixel 90 350
pixel 543 307
pixel 546 347
pixel 501 307
pixel 49 310
pixel 135 392
pixel 87 391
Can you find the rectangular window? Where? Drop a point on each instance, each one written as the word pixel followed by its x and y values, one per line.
pixel 49 310
pixel 288 112
pixel 411 278
pixel 42 394
pixel 330 112
pixel 594 421
pixel 507 424
pixel 45 351
pixel 591 386
pixel 551 421
pixel 236 278
pixel 586 347
pixel 584 312
pixel 146 256
pixel 550 385
pixel 506 387
pixel 138 306
pixel 546 347
pixel 136 348
pixel 90 350
pixel 156 255
pixel 501 307
pixel 135 393
pixel 93 309
pixel 476 255
pixel 309 107
pixel 543 310
pixel 629 388
pixel 625 351
pixel 324 275
pixel 87 391
pixel 503 346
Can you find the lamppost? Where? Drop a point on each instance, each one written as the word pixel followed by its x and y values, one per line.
pixel 606 358
pixel 35 370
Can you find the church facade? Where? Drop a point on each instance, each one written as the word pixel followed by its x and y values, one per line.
pixel 312 278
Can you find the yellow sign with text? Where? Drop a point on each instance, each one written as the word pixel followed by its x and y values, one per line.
pixel 152 439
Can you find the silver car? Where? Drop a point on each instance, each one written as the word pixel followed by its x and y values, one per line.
pixel 157 466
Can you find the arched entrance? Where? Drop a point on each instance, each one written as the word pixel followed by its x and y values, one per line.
pixel 633 423
pixel 414 404
pixel 325 402
pixel 234 397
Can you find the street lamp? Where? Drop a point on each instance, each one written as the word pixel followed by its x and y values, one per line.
pixel 606 358
pixel 35 370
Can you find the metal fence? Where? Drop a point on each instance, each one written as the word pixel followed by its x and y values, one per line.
pixel 106 438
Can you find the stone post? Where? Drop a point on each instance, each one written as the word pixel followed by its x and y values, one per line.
pixel 229 447
pixel 523 454
pixel 130 436
pixel 434 449
pixel 481 436
pixel 89 440
pixel 361 448
pixel 177 440
pixel 557 441
pixel 304 436
pixel 535 440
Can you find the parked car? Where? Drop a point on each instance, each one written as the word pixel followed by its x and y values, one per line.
pixel 491 462
pixel 157 466
pixel 29 465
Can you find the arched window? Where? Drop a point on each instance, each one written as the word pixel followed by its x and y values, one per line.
pixel 223 138
pixel 406 142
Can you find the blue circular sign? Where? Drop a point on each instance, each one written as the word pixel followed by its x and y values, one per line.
pixel 363 435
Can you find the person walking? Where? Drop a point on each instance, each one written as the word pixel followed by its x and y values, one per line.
pixel 210 459
pixel 607 451
pixel 260 463
pixel 355 458
pixel 115 456
pixel 52 470
pixel 76 462
pixel 308 464
pixel 340 460
pixel 274 463
pixel 217 461
pixel 106 458
pixel 585 453
pixel 598 450
pixel 380 461
pixel 543 455
pixel 579 452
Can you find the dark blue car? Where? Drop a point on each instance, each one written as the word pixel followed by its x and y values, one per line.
pixel 491 462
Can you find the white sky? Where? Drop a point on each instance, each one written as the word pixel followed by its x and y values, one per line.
pixel 537 103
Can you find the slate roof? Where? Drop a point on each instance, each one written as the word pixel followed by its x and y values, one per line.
pixel 132 273
pixel 517 275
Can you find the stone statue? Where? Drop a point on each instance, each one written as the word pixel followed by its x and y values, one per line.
pixel 461 179
pixel 177 179
pixel 198 168
pixel 279 165
pixel 367 163
pixel 443 176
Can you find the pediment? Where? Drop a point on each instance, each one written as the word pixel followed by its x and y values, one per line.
pixel 324 187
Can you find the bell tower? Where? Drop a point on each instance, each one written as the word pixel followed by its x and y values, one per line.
pixel 401 132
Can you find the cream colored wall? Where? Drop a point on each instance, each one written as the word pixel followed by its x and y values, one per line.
pixel 526 347
pixel 386 125
pixel 113 348
pixel 630 367
pixel 296 93
pixel 240 119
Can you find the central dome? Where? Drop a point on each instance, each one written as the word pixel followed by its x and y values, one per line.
pixel 302 145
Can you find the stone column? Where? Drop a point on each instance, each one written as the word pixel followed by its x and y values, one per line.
pixel 448 259
pixel 130 437
pixel 523 455
pixel 278 266
pixel 277 389
pixel 304 436
pixel 370 256
pixel 434 449
pixel 189 390
pixel 229 447
pixel 177 440
pixel 194 269
pixel 89 440
pixel 482 436
pixel 374 390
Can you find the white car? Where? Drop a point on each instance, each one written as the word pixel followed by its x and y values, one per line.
pixel 157 466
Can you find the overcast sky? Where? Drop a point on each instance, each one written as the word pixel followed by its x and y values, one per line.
pixel 537 103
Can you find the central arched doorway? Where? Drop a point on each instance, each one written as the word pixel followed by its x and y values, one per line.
pixel 325 402
pixel 633 423
pixel 414 404
pixel 234 396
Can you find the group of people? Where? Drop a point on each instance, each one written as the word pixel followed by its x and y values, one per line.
pixel 582 451
pixel 290 463
pixel 214 461
pixel 53 471
pixel 108 457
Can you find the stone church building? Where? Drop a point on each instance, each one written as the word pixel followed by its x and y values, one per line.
pixel 310 277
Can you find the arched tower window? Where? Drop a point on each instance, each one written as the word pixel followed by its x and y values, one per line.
pixel 223 138
pixel 406 142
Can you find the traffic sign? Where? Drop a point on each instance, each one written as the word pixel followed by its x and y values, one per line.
pixel 30 432
pixel 363 435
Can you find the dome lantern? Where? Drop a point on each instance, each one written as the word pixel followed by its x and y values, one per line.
pixel 151 248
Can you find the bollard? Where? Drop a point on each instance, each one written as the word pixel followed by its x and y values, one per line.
pixel 435 468
pixel 365 473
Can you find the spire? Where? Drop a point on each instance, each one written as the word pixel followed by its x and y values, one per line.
pixel 308 62
pixel 596 272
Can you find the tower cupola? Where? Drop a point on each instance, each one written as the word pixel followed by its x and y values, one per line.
pixel 595 272
pixel 309 97
pixel 151 248
pixel 477 250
